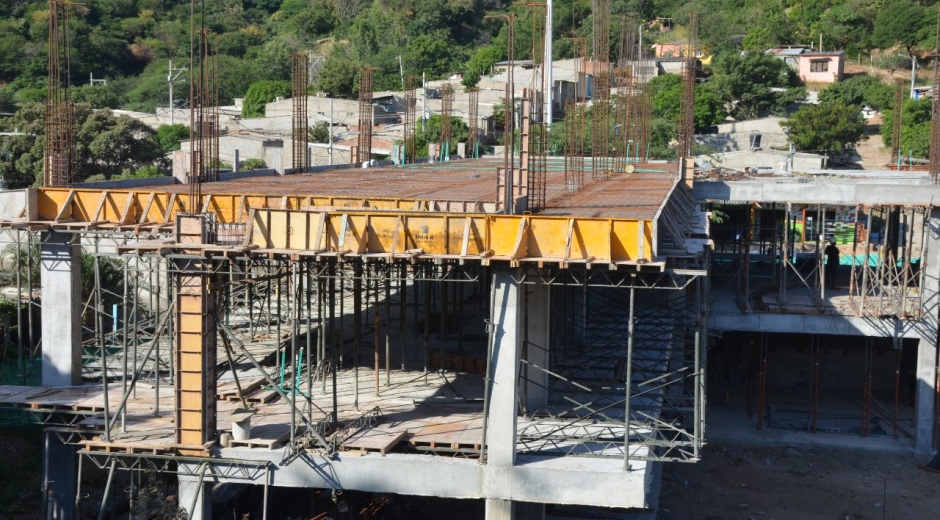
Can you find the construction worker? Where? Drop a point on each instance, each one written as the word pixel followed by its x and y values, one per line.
pixel 832 263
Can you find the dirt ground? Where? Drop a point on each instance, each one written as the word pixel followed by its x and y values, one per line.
pixel 750 482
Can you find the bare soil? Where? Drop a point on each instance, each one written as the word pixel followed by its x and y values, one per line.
pixel 750 482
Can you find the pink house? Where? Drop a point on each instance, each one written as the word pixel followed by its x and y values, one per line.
pixel 821 67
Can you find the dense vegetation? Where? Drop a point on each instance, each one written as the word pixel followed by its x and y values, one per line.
pixel 130 43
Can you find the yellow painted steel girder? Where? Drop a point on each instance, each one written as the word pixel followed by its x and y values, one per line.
pixel 482 237
pixel 372 226
pixel 125 207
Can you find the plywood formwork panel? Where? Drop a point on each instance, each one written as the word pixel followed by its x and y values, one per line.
pixel 194 349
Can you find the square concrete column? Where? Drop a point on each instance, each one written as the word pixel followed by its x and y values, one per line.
pixel 537 320
pixel 925 395
pixel 195 498
pixel 60 471
pixel 499 509
pixel 504 368
pixel 60 264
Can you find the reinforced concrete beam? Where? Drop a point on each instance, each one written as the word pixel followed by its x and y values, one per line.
pixel 561 480
pixel 819 191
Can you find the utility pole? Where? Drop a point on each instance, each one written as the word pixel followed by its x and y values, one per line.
pixel 401 72
pixel 170 78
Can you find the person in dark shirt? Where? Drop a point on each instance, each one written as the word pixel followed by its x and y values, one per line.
pixel 832 264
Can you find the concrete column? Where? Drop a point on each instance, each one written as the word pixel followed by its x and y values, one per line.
pixel 926 394
pixel 504 369
pixel 538 335
pixel 60 470
pixel 499 509
pixel 190 489
pixel 530 511
pixel 60 263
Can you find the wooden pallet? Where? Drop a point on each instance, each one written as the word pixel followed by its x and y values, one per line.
pixel 126 447
pixel 374 440
pixel 258 442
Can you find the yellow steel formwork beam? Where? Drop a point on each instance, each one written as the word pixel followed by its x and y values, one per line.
pixel 485 237
pixel 372 226
pixel 129 207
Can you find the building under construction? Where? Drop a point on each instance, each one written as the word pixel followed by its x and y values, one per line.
pixel 530 332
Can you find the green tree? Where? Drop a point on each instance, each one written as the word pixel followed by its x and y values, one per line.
pixel 434 54
pixel 666 93
pixel 915 127
pixel 319 132
pixel 827 128
pixel 903 23
pixel 339 77
pixel 170 136
pixel 117 145
pixel 859 91
pixel 748 83
pixel 429 131
pixel 261 93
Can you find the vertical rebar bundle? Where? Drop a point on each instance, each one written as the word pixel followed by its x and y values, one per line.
pixel 536 133
pixel 600 111
pixel 625 101
pixel 59 111
pixel 934 167
pixel 687 107
pixel 364 143
pixel 897 122
pixel 508 120
pixel 474 137
pixel 204 114
pixel 447 108
pixel 574 124
pixel 300 82
pixel 411 83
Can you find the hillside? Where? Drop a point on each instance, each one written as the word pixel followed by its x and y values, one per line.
pixel 129 43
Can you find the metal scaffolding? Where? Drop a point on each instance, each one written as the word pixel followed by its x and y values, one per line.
pixel 300 155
